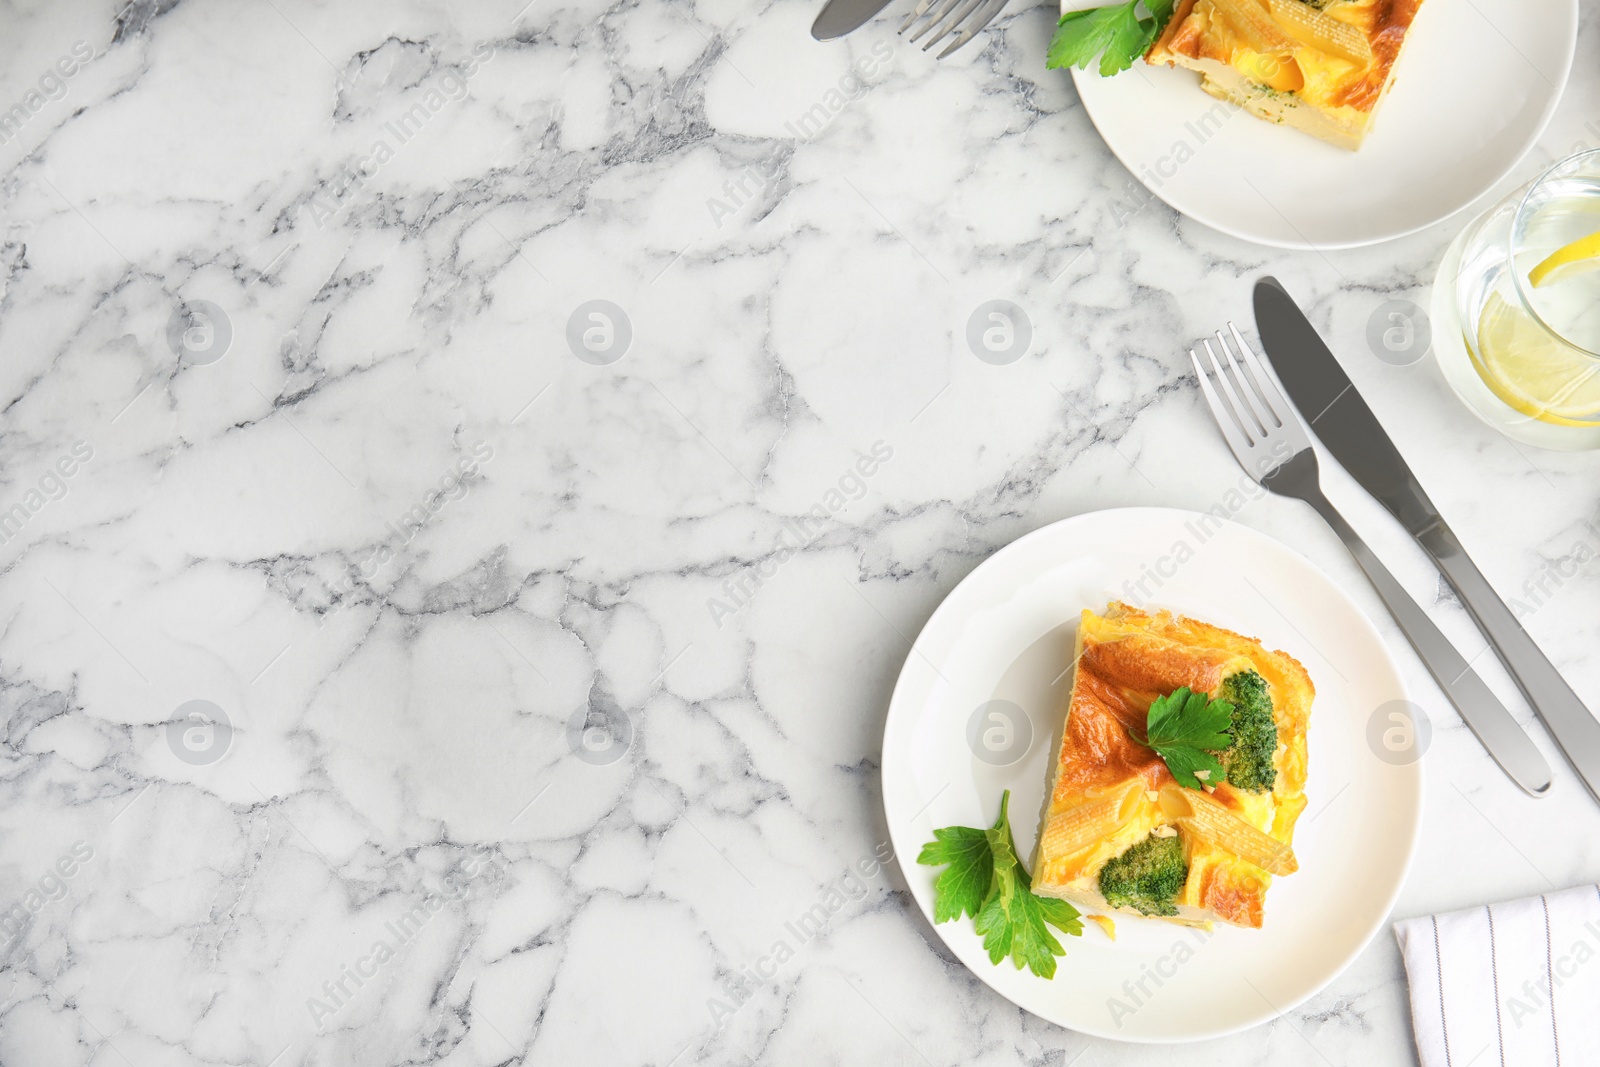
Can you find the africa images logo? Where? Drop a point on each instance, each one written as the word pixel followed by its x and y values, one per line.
pixel 199 733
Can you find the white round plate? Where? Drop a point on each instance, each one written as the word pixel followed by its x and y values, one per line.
pixel 1006 633
pixel 1477 82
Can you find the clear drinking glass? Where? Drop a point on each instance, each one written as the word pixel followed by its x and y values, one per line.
pixel 1516 308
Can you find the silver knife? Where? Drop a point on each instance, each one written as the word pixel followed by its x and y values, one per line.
pixel 839 17
pixel 1321 390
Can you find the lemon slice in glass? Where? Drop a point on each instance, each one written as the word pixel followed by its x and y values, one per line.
pixel 1579 257
pixel 1534 372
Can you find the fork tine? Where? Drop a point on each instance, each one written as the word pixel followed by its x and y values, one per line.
pixel 920 10
pixel 1260 406
pixel 937 15
pixel 974 26
pixel 1248 420
pixel 952 22
pixel 1238 440
pixel 1261 381
pixel 1246 393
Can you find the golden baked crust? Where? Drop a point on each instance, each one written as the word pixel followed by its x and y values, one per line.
pixel 1324 95
pixel 1125 659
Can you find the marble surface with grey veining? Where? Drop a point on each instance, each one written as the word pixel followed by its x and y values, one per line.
pixel 407 659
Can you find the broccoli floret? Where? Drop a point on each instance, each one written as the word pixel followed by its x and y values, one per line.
pixel 1248 759
pixel 1147 876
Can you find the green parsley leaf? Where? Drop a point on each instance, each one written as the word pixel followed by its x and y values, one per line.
pixel 1058 913
pixel 1116 34
pixel 1185 728
pixel 985 879
pixel 1013 920
pixel 961 888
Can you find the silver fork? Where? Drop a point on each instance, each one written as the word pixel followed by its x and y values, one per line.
pixel 1270 443
pixel 946 15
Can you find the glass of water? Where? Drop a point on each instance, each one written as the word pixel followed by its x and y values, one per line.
pixel 1516 308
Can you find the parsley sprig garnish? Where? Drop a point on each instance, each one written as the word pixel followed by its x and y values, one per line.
pixel 1186 728
pixel 1115 34
pixel 983 878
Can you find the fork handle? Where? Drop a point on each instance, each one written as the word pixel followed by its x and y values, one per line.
pixel 1499 733
pixel 1575 730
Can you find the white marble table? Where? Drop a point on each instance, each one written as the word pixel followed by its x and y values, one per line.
pixel 381 517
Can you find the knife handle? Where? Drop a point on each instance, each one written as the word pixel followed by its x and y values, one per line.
pixel 1575 730
pixel 1480 709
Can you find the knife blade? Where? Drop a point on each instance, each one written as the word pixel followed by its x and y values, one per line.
pixel 1339 416
pixel 839 17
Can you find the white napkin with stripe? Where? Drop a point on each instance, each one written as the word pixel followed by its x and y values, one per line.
pixel 1514 984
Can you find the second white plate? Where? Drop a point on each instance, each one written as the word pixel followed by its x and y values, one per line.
pixel 1006 634
pixel 1477 83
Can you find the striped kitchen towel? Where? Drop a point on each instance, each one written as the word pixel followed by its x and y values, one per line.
pixel 1514 984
